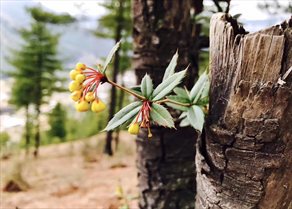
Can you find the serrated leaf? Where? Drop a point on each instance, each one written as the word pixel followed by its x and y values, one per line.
pixel 146 86
pixel 196 117
pixel 168 85
pixel 199 86
pixel 161 116
pixel 184 122
pixel 181 92
pixel 171 66
pixel 123 115
pixel 110 56
pixel 178 99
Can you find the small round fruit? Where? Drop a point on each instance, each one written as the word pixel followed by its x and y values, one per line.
pixel 80 66
pixel 76 95
pixel 134 128
pixel 82 106
pixel 89 97
pixel 98 106
pixel 73 74
pixel 80 78
pixel 74 86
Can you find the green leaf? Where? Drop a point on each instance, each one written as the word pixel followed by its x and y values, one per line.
pixel 184 122
pixel 137 90
pixel 183 115
pixel 110 56
pixel 199 86
pixel 123 115
pixel 203 101
pixel 178 99
pixel 146 86
pixel 181 92
pixel 171 66
pixel 161 116
pixel 196 117
pixel 168 85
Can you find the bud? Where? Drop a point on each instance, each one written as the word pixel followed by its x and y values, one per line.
pixel 134 128
pixel 119 192
pixel 80 78
pixel 74 86
pixel 76 95
pixel 98 106
pixel 73 74
pixel 82 106
pixel 89 97
pixel 80 66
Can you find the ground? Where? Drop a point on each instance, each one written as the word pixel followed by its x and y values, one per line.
pixel 73 176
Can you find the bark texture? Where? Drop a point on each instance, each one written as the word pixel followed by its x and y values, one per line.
pixel 244 159
pixel 166 161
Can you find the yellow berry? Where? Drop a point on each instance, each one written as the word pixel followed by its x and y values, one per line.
pixel 134 128
pixel 76 95
pixel 80 66
pixel 119 191
pixel 73 74
pixel 89 97
pixel 82 106
pixel 74 86
pixel 80 78
pixel 98 106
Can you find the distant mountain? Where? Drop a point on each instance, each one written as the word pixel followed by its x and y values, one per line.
pixel 76 43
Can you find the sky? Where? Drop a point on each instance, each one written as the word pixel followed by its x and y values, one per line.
pixel 88 8
pixel 248 8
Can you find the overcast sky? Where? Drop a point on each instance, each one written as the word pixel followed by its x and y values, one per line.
pixel 248 8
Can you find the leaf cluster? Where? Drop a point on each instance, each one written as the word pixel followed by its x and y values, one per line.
pixel 189 102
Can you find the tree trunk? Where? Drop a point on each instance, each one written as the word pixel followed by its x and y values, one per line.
pixel 166 161
pixel 120 106
pixel 109 136
pixel 37 132
pixel 244 158
pixel 27 130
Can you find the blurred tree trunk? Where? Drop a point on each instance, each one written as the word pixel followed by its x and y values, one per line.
pixel 120 106
pixel 166 161
pixel 37 137
pixel 244 160
pixel 109 136
pixel 27 130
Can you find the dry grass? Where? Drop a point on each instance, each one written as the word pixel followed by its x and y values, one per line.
pixel 73 176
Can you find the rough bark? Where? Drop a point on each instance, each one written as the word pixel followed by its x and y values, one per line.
pixel 164 162
pixel 244 157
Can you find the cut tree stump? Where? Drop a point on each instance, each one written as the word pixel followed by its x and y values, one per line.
pixel 244 159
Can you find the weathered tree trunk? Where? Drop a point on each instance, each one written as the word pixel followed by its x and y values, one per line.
pixel 166 161
pixel 109 136
pixel 244 158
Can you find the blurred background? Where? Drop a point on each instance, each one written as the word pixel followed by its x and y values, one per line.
pixel 45 144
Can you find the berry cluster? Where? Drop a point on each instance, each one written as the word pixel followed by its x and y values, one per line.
pixel 84 85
